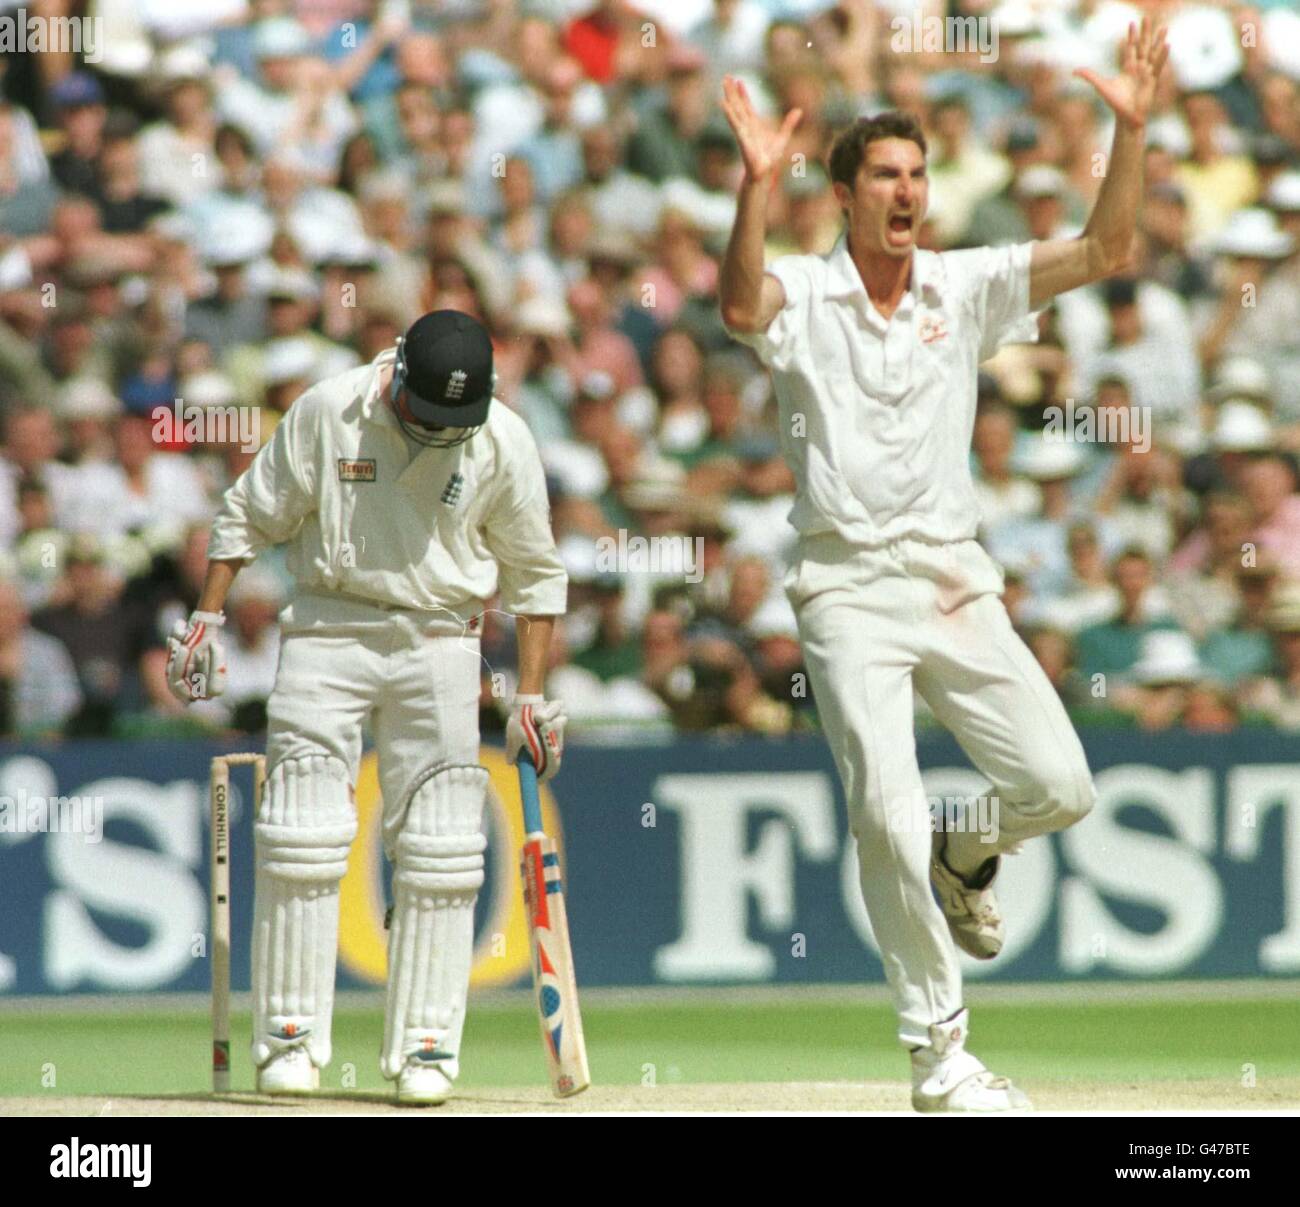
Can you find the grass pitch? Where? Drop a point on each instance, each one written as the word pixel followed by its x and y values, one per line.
pixel 1161 1049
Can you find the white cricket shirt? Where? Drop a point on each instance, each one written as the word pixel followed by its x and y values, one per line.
pixel 438 531
pixel 876 416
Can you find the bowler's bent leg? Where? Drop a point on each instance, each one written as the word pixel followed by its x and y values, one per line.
pixel 983 683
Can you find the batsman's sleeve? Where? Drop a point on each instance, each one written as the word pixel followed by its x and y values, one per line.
pixel 517 532
pixel 998 283
pixel 268 502
pixel 779 342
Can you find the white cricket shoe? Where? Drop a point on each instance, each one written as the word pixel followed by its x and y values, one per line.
pixel 969 905
pixel 423 1084
pixel 288 1072
pixel 945 1077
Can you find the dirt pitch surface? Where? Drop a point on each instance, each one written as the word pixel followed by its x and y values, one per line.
pixel 1155 1097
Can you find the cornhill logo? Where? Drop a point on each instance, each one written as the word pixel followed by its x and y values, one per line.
pixel 451 492
pixel 456 385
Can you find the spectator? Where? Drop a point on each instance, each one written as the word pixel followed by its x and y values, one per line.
pixel 1055 654
pixel 1269 486
pixel 1171 258
pixel 731 37
pixel 678 371
pixel 38 683
pixel 293 102
pixel 777 658
pixel 125 203
pixel 327 183
pixel 1001 493
pixel 1257 307
pixel 142 488
pixel 234 313
pixel 1277 698
pixel 963 171
pixel 252 648
pixel 555 152
pixel 665 143
pixel 1142 502
pixel 1241 649
pixel 87 617
pixel 1165 674
pixel 1114 647
pixel 27 194
pixel 31 444
pixel 1159 364
pixel 621 200
pixel 1089 597
pixel 1218 182
pixel 78 100
pixel 1206 567
pixel 1035 545
pixel 177 152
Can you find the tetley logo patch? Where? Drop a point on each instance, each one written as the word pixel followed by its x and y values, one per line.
pixel 356 471
pixel 933 329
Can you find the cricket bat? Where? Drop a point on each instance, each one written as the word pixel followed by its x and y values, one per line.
pixel 548 938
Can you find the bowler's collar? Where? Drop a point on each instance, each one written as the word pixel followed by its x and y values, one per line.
pixel 844 281
pixel 374 405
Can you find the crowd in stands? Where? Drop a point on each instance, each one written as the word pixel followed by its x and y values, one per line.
pixel 238 199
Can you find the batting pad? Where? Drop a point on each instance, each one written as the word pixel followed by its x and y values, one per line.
pixel 304 828
pixel 436 878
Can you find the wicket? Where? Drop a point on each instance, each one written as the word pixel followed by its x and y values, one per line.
pixel 219 857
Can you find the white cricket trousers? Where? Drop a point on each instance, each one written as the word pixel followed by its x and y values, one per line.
pixel 875 625
pixel 343 665
pixel 419 691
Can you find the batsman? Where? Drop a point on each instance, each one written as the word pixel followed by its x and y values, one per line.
pixel 873 350
pixel 407 498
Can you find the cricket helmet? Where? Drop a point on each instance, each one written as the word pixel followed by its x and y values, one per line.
pixel 444 363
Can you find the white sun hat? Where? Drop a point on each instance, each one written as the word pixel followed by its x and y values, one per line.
pixel 1241 377
pixel 1281 30
pixel 1203 48
pixel 774 618
pixel 1242 428
pixel 87 398
pixel 1168 656
pixel 1044 459
pixel 209 388
pixel 1284 193
pixel 1254 232
pixel 288 359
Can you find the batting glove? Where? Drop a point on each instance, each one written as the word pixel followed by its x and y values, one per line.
pixel 536 726
pixel 196 659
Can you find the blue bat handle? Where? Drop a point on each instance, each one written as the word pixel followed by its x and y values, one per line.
pixel 528 792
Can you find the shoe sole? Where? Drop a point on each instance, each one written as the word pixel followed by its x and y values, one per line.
pixel 962 940
pixel 421 1100
pixel 939 1108
pixel 292 1091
